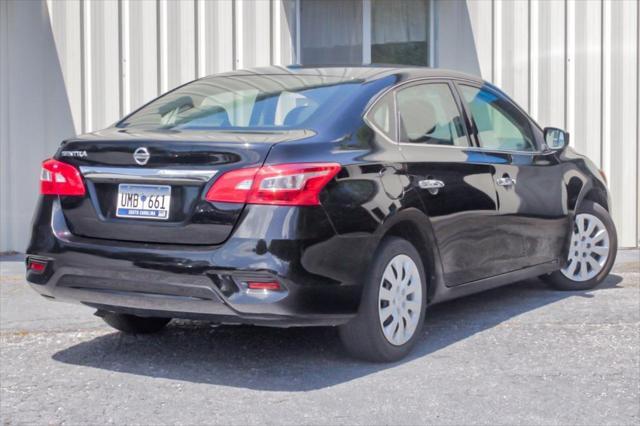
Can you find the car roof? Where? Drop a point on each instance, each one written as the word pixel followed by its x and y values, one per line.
pixel 360 72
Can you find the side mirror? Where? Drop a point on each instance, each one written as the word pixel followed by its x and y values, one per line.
pixel 555 138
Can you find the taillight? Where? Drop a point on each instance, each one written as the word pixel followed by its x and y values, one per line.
pixel 233 186
pixel 268 286
pixel 283 184
pixel 36 265
pixel 58 178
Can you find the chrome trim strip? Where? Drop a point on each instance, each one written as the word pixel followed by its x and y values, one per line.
pixel 135 174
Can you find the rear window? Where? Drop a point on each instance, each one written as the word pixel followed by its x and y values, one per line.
pixel 245 102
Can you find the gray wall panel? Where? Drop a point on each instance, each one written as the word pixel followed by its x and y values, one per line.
pixel 35 114
pixel 65 19
pixel 215 41
pixel 77 65
pixel 620 144
pixel 253 33
pixel 574 64
pixel 548 62
pixel 454 33
pixel 7 219
pixel 177 43
pixel 283 27
pixel 139 52
pixel 481 22
pixel 101 63
pixel 584 115
pixel 511 32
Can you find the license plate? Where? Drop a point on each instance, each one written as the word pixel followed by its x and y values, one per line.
pixel 143 201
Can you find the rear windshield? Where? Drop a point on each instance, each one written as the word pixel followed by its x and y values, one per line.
pixel 245 102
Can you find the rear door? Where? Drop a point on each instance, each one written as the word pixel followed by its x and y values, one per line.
pixel 454 181
pixel 150 186
pixel 529 182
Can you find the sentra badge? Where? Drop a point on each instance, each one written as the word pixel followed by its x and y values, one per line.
pixel 77 154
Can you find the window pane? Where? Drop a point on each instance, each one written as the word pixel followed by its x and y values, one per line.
pixel 429 114
pixel 241 102
pixel 498 123
pixel 382 116
pixel 399 32
pixel 331 32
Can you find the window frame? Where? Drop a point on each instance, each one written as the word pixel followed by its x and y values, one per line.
pixel 471 127
pixel 367 29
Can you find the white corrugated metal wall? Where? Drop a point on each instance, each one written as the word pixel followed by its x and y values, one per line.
pixel 118 54
pixel 70 66
pixel 73 66
pixel 574 65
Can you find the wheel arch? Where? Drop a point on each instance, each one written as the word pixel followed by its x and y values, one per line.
pixel 598 196
pixel 587 183
pixel 414 226
pixel 583 188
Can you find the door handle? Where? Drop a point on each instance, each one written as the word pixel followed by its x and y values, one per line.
pixel 506 181
pixel 432 185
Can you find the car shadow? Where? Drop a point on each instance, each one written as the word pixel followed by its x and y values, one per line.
pixel 297 359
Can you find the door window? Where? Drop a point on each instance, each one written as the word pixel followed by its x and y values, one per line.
pixel 499 124
pixel 429 115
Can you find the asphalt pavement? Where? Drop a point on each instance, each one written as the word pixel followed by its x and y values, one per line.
pixel 521 354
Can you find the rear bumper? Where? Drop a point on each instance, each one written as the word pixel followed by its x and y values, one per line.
pixel 320 272
pixel 162 294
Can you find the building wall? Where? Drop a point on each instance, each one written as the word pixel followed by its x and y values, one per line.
pixel 67 67
pixel 73 66
pixel 571 64
pixel 35 113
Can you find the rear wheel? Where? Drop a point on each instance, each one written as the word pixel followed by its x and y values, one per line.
pixel 133 324
pixel 592 250
pixel 392 309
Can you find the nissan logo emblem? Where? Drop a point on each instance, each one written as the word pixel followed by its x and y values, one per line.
pixel 141 155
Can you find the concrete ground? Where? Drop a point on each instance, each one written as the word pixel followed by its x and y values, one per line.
pixel 522 354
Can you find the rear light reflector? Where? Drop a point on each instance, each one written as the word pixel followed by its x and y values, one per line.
pixel 272 286
pixel 297 184
pixel 58 178
pixel 604 176
pixel 37 266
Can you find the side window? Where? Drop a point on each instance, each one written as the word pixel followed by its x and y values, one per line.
pixel 382 116
pixel 498 123
pixel 429 115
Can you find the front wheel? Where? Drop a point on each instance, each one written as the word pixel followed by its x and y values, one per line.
pixel 592 250
pixel 393 305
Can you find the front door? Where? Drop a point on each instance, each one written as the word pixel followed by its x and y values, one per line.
pixel 533 218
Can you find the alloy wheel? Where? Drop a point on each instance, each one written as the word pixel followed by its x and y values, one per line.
pixel 400 300
pixel 589 248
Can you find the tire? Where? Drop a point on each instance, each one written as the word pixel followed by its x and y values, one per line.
pixel 580 271
pixel 132 324
pixel 363 336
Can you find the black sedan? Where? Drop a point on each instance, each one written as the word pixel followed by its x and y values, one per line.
pixel 349 197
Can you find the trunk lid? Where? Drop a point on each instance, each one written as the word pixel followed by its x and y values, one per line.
pixel 143 165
